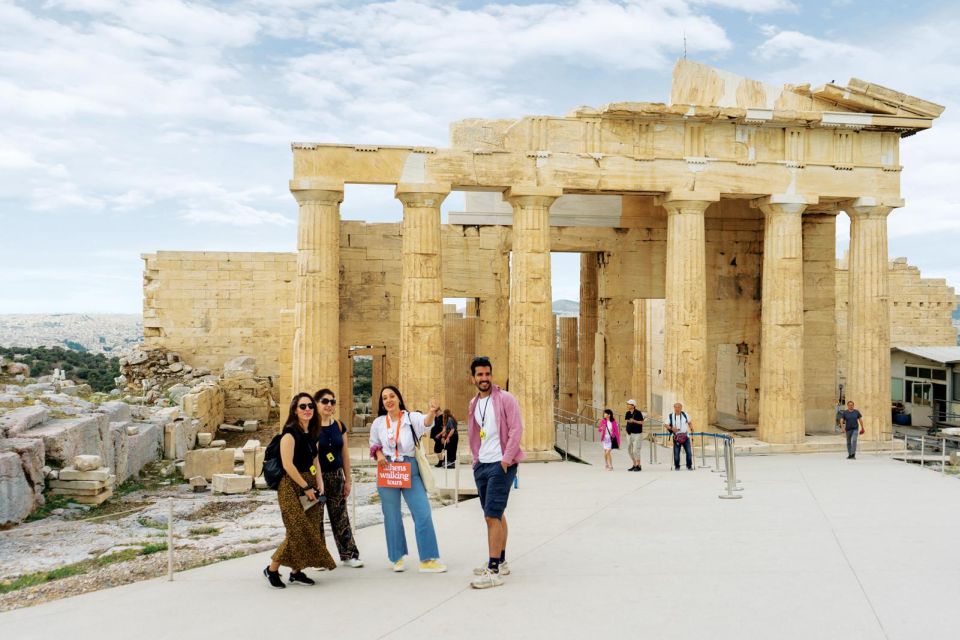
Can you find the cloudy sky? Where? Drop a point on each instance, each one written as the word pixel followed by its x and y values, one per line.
pixel 128 126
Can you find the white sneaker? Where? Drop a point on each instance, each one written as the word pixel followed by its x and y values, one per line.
pixel 486 580
pixel 504 569
pixel 398 566
pixel 356 563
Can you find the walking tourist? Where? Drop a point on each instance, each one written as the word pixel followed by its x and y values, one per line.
pixel 495 429
pixel 680 425
pixel 450 439
pixel 436 434
pixel 393 436
pixel 853 428
pixel 633 422
pixel 333 452
pixel 304 545
pixel 609 437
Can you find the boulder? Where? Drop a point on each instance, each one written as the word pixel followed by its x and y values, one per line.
pixel 119 436
pixel 208 462
pixel 198 484
pixel 76 390
pixel 231 428
pixel 204 439
pixel 251 425
pixel 87 463
pixel 17 497
pixel 31 454
pixel 116 411
pixel 19 420
pixel 218 444
pixel 231 483
pixel 176 392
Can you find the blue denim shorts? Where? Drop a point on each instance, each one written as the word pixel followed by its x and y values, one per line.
pixel 493 487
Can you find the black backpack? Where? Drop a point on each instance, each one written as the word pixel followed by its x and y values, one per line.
pixel 272 471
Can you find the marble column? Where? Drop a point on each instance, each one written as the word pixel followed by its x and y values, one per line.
pixel 819 318
pixel 568 364
pixel 421 295
pixel 532 342
pixel 781 321
pixel 316 337
pixel 639 365
pixel 589 287
pixel 868 315
pixel 685 328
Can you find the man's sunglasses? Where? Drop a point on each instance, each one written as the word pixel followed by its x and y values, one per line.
pixel 304 406
pixel 329 401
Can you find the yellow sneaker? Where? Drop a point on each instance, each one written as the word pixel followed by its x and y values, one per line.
pixel 398 566
pixel 432 566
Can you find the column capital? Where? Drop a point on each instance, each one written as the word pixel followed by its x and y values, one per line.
pixel 784 203
pixel 422 194
pixel 678 200
pixel 870 207
pixel 317 190
pixel 532 195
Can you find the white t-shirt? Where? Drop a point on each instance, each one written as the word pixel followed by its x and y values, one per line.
pixel 379 434
pixel 486 417
pixel 679 422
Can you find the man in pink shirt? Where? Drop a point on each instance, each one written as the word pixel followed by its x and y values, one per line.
pixel 495 430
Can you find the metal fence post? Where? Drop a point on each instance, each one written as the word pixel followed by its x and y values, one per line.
pixel 170 540
pixel 703 454
pixel 728 457
pixel 566 451
pixel 733 467
pixel 943 455
pixel 923 447
pixel 716 455
pixel 456 475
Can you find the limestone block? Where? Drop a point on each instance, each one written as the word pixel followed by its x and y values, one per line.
pixel 198 484
pixel 87 462
pixel 259 482
pixel 244 364
pixel 133 430
pixel 116 411
pixel 208 462
pixel 17 497
pixel 238 455
pixel 218 444
pixel 93 500
pixel 204 439
pixel 96 475
pixel 231 483
pixel 21 419
pixel 143 448
pixel 119 434
pixel 81 487
pixel 253 458
pixel 31 453
pixel 168 414
pixel 231 427
pixel 251 425
pixel 179 437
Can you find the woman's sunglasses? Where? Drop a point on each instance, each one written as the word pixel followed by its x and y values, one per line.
pixel 304 406
pixel 329 401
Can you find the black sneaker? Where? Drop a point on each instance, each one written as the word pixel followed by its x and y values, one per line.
pixel 633 468
pixel 274 578
pixel 301 577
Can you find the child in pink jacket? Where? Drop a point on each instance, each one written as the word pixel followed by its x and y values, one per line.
pixel 609 436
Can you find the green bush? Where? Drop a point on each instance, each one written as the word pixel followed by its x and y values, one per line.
pixel 95 369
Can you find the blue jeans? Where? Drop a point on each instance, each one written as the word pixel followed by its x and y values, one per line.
pixel 688 451
pixel 852 435
pixel 419 505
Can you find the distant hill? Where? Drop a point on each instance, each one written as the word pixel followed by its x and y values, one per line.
pixel 566 307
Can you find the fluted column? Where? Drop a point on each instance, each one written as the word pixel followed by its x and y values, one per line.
pixel 421 295
pixel 316 337
pixel 639 380
pixel 532 341
pixel 589 285
pixel 685 318
pixel 868 315
pixel 781 320
pixel 568 364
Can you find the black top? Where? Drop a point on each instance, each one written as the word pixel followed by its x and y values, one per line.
pixel 304 448
pixel 330 446
pixel 633 415
pixel 851 419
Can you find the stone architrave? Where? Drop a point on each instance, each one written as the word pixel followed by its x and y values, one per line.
pixel 531 317
pixel 685 323
pixel 781 338
pixel 868 315
pixel 639 373
pixel 421 296
pixel 316 339
pixel 568 364
pixel 589 286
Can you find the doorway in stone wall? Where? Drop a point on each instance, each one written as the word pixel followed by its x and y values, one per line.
pixel 366 378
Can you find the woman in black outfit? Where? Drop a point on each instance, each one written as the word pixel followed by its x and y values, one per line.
pixel 450 439
pixel 304 545
pixel 334 455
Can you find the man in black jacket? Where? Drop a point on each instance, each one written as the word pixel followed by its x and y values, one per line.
pixel 633 420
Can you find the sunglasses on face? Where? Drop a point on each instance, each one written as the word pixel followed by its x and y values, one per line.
pixel 304 406
pixel 329 401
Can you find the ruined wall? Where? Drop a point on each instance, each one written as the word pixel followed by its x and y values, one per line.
pixel 920 310
pixel 213 306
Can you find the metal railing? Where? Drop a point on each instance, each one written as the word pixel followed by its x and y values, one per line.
pixel 939 446
pixel 726 465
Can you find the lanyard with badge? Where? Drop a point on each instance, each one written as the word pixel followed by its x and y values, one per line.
pixel 483 418
pixel 393 437
pixel 396 474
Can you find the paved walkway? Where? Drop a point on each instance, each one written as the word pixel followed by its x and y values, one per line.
pixel 819 547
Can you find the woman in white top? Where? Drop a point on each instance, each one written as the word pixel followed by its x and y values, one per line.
pixel 393 436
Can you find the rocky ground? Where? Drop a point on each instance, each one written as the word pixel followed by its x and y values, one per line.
pixel 124 541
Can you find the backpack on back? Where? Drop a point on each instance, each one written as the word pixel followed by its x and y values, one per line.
pixel 272 471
